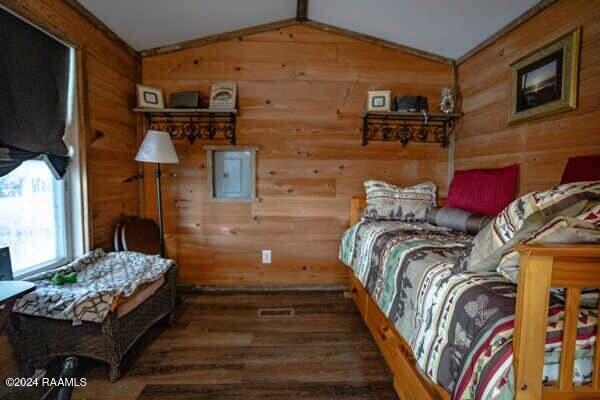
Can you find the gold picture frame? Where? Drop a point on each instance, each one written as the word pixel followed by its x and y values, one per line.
pixel 545 82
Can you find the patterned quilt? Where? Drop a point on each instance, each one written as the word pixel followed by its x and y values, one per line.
pixel 101 279
pixel 459 325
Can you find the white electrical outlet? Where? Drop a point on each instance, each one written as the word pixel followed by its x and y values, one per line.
pixel 266 256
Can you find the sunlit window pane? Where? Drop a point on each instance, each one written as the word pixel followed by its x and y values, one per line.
pixel 32 216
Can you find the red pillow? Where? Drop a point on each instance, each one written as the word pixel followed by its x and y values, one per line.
pixel 483 191
pixel 579 169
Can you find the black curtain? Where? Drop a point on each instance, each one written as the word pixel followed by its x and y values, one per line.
pixel 34 78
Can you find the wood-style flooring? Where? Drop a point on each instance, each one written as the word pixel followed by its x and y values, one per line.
pixel 220 348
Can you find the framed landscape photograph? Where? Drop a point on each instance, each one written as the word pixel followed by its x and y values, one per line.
pixel 545 82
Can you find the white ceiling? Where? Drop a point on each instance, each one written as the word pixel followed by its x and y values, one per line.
pixel 445 27
pixel 448 28
pixel 145 24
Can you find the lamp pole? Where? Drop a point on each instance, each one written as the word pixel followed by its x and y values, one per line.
pixel 160 213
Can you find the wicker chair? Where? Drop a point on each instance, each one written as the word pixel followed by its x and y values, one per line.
pixel 37 340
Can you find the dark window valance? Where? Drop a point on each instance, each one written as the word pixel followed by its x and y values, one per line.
pixel 34 77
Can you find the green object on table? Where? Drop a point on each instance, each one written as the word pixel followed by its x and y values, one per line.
pixel 60 278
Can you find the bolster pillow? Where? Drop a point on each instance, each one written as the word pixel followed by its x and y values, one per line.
pixel 457 219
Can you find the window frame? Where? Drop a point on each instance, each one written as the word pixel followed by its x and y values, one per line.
pixel 210 150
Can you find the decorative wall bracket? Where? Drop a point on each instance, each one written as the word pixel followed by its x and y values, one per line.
pixel 193 124
pixel 406 127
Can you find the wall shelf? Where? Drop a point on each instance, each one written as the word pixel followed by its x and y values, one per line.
pixel 406 127
pixel 192 123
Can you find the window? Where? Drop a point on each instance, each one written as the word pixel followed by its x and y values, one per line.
pixel 41 217
pixel 40 214
pixel 232 173
pixel 32 217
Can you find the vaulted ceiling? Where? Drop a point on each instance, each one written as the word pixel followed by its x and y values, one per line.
pixel 445 27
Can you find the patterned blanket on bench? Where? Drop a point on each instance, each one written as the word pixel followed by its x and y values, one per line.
pixel 101 279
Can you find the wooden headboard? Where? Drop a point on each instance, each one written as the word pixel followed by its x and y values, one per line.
pixel 358 203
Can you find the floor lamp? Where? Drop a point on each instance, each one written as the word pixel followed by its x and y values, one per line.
pixel 158 148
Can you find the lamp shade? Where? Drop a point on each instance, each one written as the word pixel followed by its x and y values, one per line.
pixel 157 147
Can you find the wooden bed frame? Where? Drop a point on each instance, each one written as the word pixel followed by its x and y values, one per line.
pixel 542 267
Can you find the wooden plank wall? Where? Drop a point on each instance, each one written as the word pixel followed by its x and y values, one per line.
pixel 111 71
pixel 541 147
pixel 301 93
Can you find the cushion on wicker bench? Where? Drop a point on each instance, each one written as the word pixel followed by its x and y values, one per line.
pixel 124 305
pixel 101 279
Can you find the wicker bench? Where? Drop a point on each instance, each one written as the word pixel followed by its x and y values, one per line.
pixel 36 341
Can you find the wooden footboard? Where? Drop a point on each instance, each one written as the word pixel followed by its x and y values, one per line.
pixel 572 267
pixel 409 381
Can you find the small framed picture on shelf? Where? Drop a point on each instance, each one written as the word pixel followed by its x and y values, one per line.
pixel 379 100
pixel 223 95
pixel 149 97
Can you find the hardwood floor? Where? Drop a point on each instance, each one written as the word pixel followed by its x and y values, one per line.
pixel 220 348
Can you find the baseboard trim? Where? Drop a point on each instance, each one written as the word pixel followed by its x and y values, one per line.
pixel 184 288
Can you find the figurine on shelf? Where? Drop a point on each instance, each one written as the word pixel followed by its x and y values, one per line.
pixel 447 102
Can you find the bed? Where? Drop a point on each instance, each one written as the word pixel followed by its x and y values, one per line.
pixel 456 335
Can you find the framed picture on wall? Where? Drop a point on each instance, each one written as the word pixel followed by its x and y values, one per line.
pixel 149 97
pixel 223 95
pixel 379 100
pixel 545 82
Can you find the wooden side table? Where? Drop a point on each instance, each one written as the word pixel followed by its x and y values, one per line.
pixel 10 291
